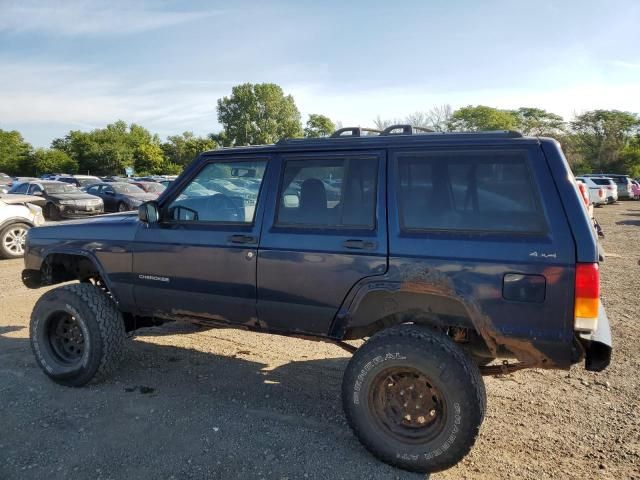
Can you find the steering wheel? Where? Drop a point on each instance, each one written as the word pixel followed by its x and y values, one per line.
pixel 222 208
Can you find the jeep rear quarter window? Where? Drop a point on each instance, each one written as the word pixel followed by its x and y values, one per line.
pixel 468 191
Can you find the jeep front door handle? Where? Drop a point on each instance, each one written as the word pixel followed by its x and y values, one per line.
pixel 241 239
pixel 359 245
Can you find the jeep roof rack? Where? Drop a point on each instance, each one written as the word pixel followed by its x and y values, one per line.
pixel 398 131
pixel 353 132
pixel 405 129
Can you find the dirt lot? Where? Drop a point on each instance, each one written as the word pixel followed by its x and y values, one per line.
pixel 230 404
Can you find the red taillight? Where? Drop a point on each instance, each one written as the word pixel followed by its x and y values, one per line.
pixel 587 297
pixel 585 195
pixel 587 280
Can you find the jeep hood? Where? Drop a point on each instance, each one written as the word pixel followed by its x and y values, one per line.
pixel 118 226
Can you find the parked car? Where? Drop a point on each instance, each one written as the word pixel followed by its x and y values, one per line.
pixel 610 187
pixel 150 187
pixel 23 198
pixel 62 200
pixel 16 218
pixel 21 189
pixel 596 192
pixel 53 176
pixel 120 196
pixel 80 181
pixel 5 182
pixel 114 178
pixel 623 182
pixel 584 193
pixel 442 252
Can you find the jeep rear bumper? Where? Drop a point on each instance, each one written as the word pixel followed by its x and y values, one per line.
pixel 597 345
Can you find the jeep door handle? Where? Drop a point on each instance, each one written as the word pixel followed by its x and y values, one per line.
pixel 241 239
pixel 359 245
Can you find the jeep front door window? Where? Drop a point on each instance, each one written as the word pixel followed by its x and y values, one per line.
pixel 223 192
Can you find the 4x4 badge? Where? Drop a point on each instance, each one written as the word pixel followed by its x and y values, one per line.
pixel 543 255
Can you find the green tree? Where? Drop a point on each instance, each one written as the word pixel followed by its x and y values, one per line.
pixel 318 126
pixel 14 152
pixel 480 117
pixel 629 159
pixel 601 135
pixel 148 159
pixel 256 114
pixel 538 122
pixel 106 151
pixel 182 149
pixel 45 160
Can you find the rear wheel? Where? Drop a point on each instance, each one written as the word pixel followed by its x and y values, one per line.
pixel 12 240
pixel 76 334
pixel 414 399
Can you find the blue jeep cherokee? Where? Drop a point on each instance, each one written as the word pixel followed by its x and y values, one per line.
pixel 444 252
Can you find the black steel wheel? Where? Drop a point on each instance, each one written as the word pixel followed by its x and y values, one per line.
pixel 414 398
pixel 77 334
pixel 407 405
pixel 65 337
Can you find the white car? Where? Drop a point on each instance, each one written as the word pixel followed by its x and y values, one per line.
pixel 597 193
pixel 17 216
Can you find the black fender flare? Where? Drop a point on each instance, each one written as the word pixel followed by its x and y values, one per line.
pixel 86 254
pixel 373 300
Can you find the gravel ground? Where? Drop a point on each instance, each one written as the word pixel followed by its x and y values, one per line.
pixel 230 404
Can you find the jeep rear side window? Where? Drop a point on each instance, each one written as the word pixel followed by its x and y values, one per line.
pixel 224 192
pixel 468 191
pixel 329 193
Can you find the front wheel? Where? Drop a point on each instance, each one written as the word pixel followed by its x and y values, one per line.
pixel 122 207
pixel 76 334
pixel 414 398
pixel 53 213
pixel 12 240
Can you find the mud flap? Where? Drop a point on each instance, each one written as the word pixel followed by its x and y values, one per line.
pixel 598 345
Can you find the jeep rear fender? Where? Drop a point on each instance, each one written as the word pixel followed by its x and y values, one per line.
pixel 429 298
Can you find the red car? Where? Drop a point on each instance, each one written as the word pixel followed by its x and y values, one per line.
pixel 151 187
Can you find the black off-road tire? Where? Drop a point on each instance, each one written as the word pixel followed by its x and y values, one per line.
pixel 454 383
pixel 91 313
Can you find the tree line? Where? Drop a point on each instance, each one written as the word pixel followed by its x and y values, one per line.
pixel 254 114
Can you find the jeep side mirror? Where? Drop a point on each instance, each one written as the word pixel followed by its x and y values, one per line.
pixel 148 212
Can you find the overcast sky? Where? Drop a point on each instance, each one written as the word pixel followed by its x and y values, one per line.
pixel 80 64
